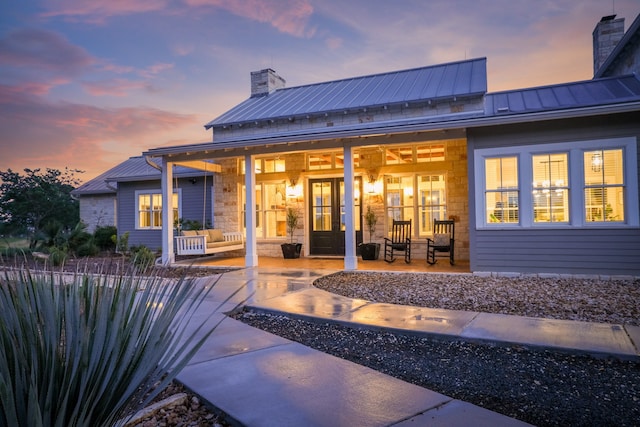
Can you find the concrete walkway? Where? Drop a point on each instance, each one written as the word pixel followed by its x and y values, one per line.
pixel 260 379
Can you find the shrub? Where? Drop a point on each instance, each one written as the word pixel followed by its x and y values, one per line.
pixel 57 256
pixel 143 257
pixel 103 237
pixel 78 237
pixel 88 249
pixel 122 243
pixel 89 352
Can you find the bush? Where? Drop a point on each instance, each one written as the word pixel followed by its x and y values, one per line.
pixel 103 237
pixel 88 249
pixel 143 257
pixel 57 256
pixel 78 237
pixel 89 352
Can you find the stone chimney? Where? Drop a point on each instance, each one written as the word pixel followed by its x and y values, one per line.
pixel 265 81
pixel 608 32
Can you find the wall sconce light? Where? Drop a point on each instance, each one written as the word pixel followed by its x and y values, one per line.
pixel 193 180
pixel 596 162
pixel 373 185
pixel 294 190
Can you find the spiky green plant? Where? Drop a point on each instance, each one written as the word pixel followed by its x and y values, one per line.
pixel 90 349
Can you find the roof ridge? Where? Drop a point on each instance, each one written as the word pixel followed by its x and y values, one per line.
pixel 406 70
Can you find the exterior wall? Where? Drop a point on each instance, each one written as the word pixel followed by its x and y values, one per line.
pixel 192 197
pixel 98 210
pixel 605 250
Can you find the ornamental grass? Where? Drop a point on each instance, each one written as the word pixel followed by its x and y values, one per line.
pixel 90 349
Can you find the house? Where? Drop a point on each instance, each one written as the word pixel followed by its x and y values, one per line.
pixel 538 180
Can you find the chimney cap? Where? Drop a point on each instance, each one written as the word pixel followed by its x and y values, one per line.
pixel 608 18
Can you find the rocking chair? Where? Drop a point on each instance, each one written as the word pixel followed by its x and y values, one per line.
pixel 442 241
pixel 400 241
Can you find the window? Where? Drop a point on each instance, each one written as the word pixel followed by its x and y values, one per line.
pixel 604 186
pixel 550 188
pixel 422 153
pixel 580 184
pixel 271 212
pixel 404 203
pixel 149 208
pixel 265 165
pixel 431 202
pixel 501 189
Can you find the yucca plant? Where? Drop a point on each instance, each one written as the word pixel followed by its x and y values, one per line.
pixel 91 349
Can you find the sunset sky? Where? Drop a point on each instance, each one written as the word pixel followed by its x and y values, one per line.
pixel 85 84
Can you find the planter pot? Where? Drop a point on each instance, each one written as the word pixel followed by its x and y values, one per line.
pixel 370 251
pixel 291 250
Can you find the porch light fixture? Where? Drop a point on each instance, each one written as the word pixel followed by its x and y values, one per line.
pixel 294 190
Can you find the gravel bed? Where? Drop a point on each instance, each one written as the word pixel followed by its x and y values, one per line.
pixel 541 387
pixel 590 300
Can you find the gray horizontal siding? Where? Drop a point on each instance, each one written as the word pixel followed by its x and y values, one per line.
pixel 579 251
pixel 192 202
pixel 608 251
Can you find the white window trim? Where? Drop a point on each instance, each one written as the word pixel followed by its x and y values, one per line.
pixel 177 191
pixel 575 150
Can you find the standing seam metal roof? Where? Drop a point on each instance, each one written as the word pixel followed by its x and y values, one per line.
pixel 456 79
pixel 569 95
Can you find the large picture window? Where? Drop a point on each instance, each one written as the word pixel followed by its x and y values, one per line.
pixel 604 186
pixel 501 189
pixel 411 197
pixel 580 184
pixel 550 188
pixel 149 209
pixel 271 211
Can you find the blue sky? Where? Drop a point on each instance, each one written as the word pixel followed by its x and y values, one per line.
pixel 87 84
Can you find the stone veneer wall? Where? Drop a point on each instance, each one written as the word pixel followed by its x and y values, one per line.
pixel 455 168
pixel 98 210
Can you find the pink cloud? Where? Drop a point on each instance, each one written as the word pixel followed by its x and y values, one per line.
pixel 98 11
pixel 287 16
pixel 113 87
pixel 39 133
pixel 45 51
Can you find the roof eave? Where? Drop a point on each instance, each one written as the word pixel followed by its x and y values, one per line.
pixel 416 125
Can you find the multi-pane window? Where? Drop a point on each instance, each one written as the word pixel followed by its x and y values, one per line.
pixel 403 202
pixel 604 186
pixel 329 160
pixel 271 211
pixel 149 208
pixel 420 153
pixel 550 188
pixel 572 184
pixel 431 201
pixel 265 165
pixel 501 189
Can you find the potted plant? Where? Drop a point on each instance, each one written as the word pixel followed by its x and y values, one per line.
pixel 291 250
pixel 370 251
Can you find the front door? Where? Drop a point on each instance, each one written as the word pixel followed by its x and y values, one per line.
pixel 327 218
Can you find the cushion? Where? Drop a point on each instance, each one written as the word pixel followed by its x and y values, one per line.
pixel 189 233
pixel 441 239
pixel 215 235
pixel 202 233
